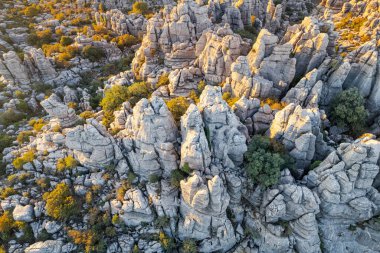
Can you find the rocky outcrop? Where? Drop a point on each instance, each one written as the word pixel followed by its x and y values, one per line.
pixel 227 135
pixel 243 83
pixel 216 51
pixel 57 110
pixel 195 147
pixel 117 21
pixel 307 92
pixel 93 146
pixel 343 182
pixel 121 116
pixel 171 36
pixel 299 131
pixel 287 218
pixel 12 69
pixel 309 44
pixel 150 139
pixel 203 209
pixel 334 84
pixel 134 209
pixel 183 81
pixel 39 66
pixel 262 48
pixel 49 246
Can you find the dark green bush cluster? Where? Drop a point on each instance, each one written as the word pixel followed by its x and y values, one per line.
pixel 93 53
pixel 348 110
pixel 177 175
pixel 264 161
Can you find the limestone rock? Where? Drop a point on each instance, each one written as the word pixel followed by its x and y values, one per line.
pixel 23 213
pixel 134 209
pixel 93 146
pixel 195 147
pixel 203 208
pixel 12 67
pixel 307 92
pixel 226 133
pixel 62 112
pixel 150 138
pixel 39 66
pixel 299 131
pixel 49 246
pixel 117 21
pixel 216 51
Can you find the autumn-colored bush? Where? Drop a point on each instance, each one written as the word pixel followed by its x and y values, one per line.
pixel 61 203
pixel 273 103
pixel 126 41
pixel 178 106
pixel 27 157
pixel 230 100
pixel 66 163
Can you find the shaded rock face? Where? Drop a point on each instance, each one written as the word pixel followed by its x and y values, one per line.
pixel 56 109
pixel 343 182
pixel 93 146
pixel 307 91
pixel 203 208
pixel 150 138
pixel 117 21
pixel 227 135
pixel 299 131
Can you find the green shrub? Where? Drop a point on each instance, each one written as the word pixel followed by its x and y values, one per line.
pixel 5 141
pixel 40 38
pixel 23 136
pixel 140 8
pixel 10 117
pixel 66 41
pixel 176 176
pixel 43 183
pixel 348 110
pixel 37 124
pixel 93 53
pixel 117 94
pixel 154 178
pixel 263 164
pixel 32 11
pixel 166 242
pixel 7 191
pixel 178 106
pixel 162 221
pixel 60 203
pixel 163 80
pixel 249 32
pixel 189 246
